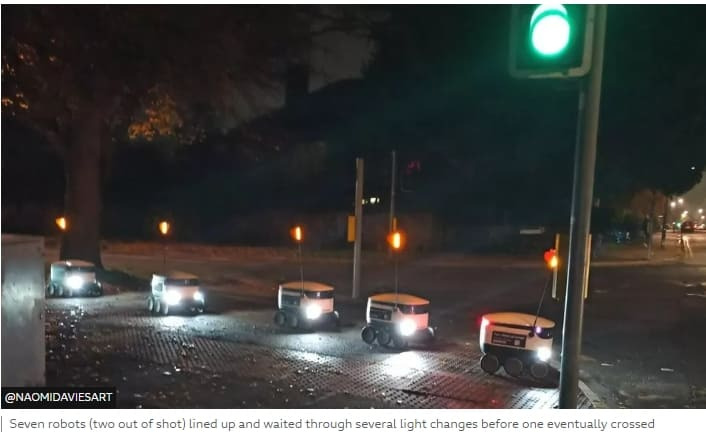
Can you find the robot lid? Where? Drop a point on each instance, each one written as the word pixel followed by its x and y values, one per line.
pixel 522 320
pixel 405 299
pixel 308 286
pixel 175 275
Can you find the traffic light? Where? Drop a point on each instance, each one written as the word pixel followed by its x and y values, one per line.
pixel 551 40
pixel 411 176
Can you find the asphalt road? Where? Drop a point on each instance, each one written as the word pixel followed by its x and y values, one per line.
pixel 643 332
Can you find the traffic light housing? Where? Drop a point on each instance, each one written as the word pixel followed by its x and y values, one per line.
pixel 551 40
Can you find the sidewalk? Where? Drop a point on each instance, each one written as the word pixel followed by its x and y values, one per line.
pixel 636 254
pixel 154 367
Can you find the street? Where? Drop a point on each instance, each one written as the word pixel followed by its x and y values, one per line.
pixel 641 345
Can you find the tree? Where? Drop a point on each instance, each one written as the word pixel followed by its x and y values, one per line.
pixel 84 75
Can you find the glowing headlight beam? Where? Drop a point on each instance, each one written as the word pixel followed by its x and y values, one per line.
pixel 313 311
pixel 544 353
pixel 407 327
pixel 172 297
pixel 198 296
pixel 74 282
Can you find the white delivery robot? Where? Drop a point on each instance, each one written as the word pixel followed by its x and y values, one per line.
pixel 175 291
pixel 305 303
pixel 68 278
pixel 397 319
pixel 517 341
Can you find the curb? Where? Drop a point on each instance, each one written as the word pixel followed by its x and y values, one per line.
pixel 592 397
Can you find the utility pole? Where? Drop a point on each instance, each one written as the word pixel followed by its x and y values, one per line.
pixel 392 192
pixel 358 226
pixel 584 169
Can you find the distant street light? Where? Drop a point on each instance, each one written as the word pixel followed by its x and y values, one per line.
pixel 672 204
pixel 681 201
pixel 693 167
pixel 685 213
pixel 701 210
pixel 62 223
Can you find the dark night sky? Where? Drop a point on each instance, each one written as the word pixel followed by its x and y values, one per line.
pixel 433 84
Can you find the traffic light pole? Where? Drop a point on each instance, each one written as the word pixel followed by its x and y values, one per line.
pixel 357 245
pixel 584 169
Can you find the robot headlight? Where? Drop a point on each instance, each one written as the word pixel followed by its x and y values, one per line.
pixel 544 353
pixel 172 297
pixel 313 311
pixel 407 327
pixel 74 281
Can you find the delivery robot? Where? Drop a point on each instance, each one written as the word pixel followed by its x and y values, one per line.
pixel 175 291
pixel 397 319
pixel 518 342
pixel 305 304
pixel 68 278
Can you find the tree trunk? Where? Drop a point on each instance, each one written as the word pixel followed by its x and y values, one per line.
pixel 82 204
pixel 650 224
pixel 665 220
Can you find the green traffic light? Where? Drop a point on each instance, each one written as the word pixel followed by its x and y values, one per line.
pixel 550 29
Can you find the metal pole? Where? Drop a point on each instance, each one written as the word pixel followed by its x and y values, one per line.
pixel 650 223
pixel 396 282
pixel 358 226
pixel 392 191
pixel 584 169
pixel 301 266
pixel 555 273
pixel 164 257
